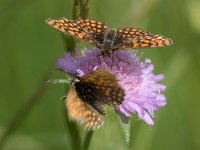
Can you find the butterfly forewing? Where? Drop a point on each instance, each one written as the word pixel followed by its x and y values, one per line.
pixel 81 112
pixel 105 87
pixel 69 27
pixel 89 30
pixel 88 93
pixel 133 38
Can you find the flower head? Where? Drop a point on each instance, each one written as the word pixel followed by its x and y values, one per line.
pixel 142 88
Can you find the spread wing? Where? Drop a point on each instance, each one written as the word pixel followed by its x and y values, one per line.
pixel 134 38
pixel 89 30
pixel 81 112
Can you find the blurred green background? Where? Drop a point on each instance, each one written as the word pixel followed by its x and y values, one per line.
pixel 28 52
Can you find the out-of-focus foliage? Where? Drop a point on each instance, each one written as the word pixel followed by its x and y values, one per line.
pixel 29 48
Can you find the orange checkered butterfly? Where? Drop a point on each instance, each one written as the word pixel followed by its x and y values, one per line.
pixel 88 94
pixel 108 40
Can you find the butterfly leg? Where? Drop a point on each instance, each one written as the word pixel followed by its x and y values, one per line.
pixel 63 98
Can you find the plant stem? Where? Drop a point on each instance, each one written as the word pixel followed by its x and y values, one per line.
pixel 87 140
pixel 76 10
pixel 70 45
pixel 84 6
pixel 80 9
pixel 73 131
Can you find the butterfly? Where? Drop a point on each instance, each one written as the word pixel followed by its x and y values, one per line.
pixel 108 40
pixel 88 94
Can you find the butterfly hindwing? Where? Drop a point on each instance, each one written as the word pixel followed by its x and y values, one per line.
pixel 134 38
pixel 81 112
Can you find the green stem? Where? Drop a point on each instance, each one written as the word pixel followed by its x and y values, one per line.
pixel 73 131
pixel 76 10
pixel 70 43
pixel 84 6
pixel 87 140
pixel 80 9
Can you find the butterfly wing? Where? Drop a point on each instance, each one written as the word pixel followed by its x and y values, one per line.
pixel 81 112
pixel 134 38
pixel 89 30
pixel 97 31
pixel 103 85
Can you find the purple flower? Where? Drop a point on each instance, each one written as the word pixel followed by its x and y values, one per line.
pixel 141 85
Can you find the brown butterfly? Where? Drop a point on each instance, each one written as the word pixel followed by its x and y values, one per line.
pixel 88 94
pixel 108 40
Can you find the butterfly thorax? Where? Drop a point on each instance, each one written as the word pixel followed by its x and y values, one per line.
pixel 108 43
